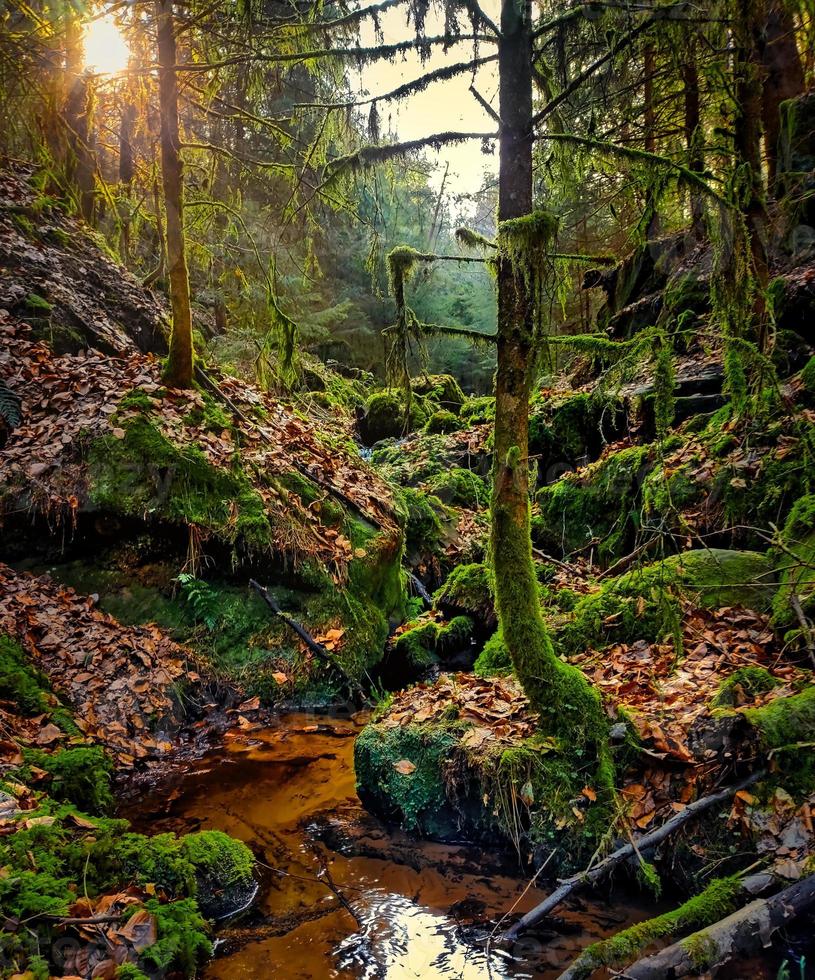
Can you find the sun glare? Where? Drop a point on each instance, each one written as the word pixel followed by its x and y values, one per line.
pixel 106 51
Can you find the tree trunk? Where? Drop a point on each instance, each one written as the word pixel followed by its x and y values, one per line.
pixel 179 370
pixel 693 135
pixel 560 693
pixel 748 91
pixel 77 111
pixel 783 76
pixel 650 119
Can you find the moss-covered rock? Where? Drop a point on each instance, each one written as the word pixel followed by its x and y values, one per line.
pixel 413 795
pixel 494 660
pixel 468 589
pixel 386 416
pixel 430 643
pixel 600 503
pixel 442 421
pixel 643 604
pixel 563 432
pixel 461 488
pixel 794 557
pixel 423 521
pixel 440 388
pixel 743 685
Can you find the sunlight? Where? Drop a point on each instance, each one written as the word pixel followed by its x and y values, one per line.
pixel 106 50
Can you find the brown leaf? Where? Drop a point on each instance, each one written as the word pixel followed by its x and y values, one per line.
pixel 405 767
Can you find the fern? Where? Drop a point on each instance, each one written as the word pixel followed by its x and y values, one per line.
pixel 202 598
pixel 10 407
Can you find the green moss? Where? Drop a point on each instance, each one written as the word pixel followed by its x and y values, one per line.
pixel 785 721
pixel 440 388
pixel 643 604
pixel 19 682
pixel 718 900
pixel 478 410
pixel 601 503
pixel 38 304
pixel 743 684
pixel 442 421
pixel 794 556
pixel 494 659
pixel 387 417
pixel 144 473
pixel 423 527
pixel 417 646
pixel 219 860
pixel 129 971
pixel 416 799
pixel 78 775
pixel 808 376
pixel 182 941
pixel 468 589
pixel 460 487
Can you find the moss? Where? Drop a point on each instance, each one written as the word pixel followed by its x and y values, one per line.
pixel 718 900
pixel 417 799
pixel 785 721
pixel 643 604
pixel 478 410
pixel 386 416
pixel 461 488
pixel 442 421
pixel 219 860
pixel 78 775
pixel 19 682
pixel 808 376
pixel 601 503
pixel 129 971
pixel 423 527
pixel 144 473
pixel 38 304
pixel 427 643
pixel 183 943
pixel 417 646
pixel 794 556
pixel 743 685
pixel 468 589
pixel 494 659
pixel 440 388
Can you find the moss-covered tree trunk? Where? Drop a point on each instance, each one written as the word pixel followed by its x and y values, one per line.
pixel 783 75
pixel 693 135
pixel 748 91
pixel 179 370
pixel 560 693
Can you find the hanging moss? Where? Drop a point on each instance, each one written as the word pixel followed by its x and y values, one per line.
pixel 525 243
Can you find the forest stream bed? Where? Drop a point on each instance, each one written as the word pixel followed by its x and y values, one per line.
pixel 425 909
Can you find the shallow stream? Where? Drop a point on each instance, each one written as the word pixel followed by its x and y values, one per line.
pixel 421 909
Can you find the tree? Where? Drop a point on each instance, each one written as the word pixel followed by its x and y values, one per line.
pixel 180 361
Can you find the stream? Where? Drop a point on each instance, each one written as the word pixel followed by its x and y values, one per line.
pixel 424 909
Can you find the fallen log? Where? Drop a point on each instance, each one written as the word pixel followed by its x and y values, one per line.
pixel 634 848
pixel 744 932
pixel 719 899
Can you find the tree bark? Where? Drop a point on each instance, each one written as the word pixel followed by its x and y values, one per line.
pixel 783 76
pixel 77 112
pixel 693 135
pixel 560 693
pixel 747 141
pixel 650 119
pixel 179 370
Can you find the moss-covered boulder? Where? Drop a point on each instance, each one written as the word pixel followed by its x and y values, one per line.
pixel 460 488
pixel 600 503
pixel 494 660
pixel 565 431
pixel 442 421
pixel 795 559
pixel 468 590
pixel 428 643
pixel 386 416
pixel 424 527
pixel 440 388
pixel 644 604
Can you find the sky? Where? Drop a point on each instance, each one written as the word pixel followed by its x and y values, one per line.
pixel 444 106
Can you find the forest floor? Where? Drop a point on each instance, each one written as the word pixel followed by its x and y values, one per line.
pixel 675 573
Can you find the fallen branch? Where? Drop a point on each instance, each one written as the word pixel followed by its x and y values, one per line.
pixel 719 899
pixel 744 932
pixel 625 563
pixel 316 648
pixel 648 841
